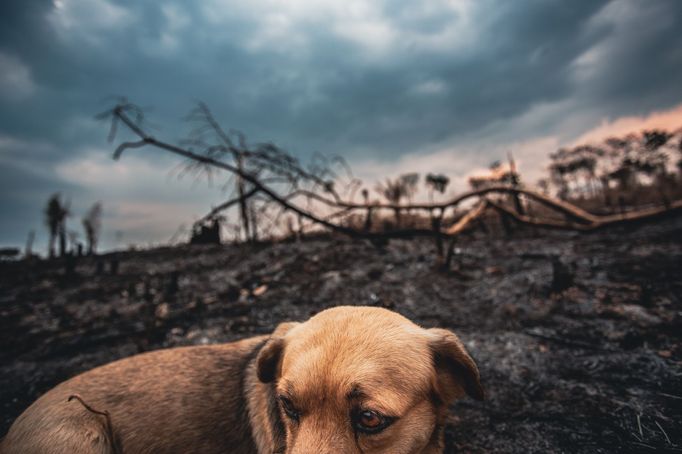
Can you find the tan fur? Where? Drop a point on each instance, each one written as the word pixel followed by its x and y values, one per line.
pixel 224 398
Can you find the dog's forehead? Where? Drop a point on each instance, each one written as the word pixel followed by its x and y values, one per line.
pixel 366 330
pixel 376 353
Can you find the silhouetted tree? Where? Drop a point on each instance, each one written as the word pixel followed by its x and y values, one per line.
pixel 29 244
pixel 395 190
pixel 92 224
pixel 653 159
pixel 56 213
pixel 409 182
pixel 584 160
pixel 626 152
pixel 656 138
pixel 75 246
pixel 436 182
pixel 679 163
pixel 543 185
pixel 578 163
pixel 365 195
pixel 557 174
pixel 263 161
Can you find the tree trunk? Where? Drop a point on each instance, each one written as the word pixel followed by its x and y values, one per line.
pixel 243 205
pixel 254 223
pixel 368 220
pixel 50 247
pixel 62 240
pixel 436 222
pixel 28 252
pixel 451 253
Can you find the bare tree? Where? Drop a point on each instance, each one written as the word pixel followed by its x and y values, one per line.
pixel 557 174
pixel 621 153
pixel 409 182
pixel 262 162
pixel 92 225
pixel 56 213
pixel 543 185
pixel 395 190
pixel 29 244
pixel 437 182
pixel 75 246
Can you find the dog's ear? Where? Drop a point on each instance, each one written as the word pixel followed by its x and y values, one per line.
pixel 267 362
pixel 456 371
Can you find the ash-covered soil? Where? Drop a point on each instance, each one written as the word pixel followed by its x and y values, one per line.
pixel 578 336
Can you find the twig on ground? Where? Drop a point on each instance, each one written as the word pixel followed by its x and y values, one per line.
pixel 665 434
pixel 109 428
pixel 568 342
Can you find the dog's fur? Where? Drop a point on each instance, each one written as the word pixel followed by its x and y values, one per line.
pixel 227 398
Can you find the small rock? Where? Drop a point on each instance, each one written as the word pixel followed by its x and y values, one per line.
pixel 493 270
pixel 162 311
pixel 637 314
pixel 260 290
pixel 632 339
pixel 330 282
pixel 210 299
pixel 562 276
pixel 375 273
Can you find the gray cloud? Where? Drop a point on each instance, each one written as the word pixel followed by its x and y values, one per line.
pixel 379 79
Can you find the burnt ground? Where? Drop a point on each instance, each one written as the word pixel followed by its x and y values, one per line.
pixel 578 336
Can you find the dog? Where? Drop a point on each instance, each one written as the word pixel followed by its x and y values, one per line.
pixel 348 380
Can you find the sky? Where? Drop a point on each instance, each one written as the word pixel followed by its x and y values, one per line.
pixel 391 86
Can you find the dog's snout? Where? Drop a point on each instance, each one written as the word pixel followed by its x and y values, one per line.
pixel 322 435
pixel 315 448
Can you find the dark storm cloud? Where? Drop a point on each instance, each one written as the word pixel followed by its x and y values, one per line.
pixel 377 78
pixel 640 59
pixel 327 91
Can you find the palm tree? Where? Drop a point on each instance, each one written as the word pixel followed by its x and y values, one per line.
pixel 436 182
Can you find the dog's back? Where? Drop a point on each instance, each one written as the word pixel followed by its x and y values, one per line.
pixel 147 397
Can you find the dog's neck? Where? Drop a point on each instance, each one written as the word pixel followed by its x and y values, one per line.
pixel 265 419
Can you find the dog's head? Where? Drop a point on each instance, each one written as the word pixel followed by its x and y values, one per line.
pixel 362 379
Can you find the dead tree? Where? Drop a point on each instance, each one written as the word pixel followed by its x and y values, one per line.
pixel 438 183
pixel 206 125
pixel 56 213
pixel 395 190
pixel 28 250
pixel 92 225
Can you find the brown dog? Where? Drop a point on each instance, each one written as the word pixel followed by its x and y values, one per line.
pixel 349 380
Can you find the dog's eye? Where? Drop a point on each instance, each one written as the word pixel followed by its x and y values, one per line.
pixel 370 419
pixel 289 408
pixel 371 422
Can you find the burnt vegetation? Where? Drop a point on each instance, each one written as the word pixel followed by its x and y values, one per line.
pixel 623 179
pixel 567 292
